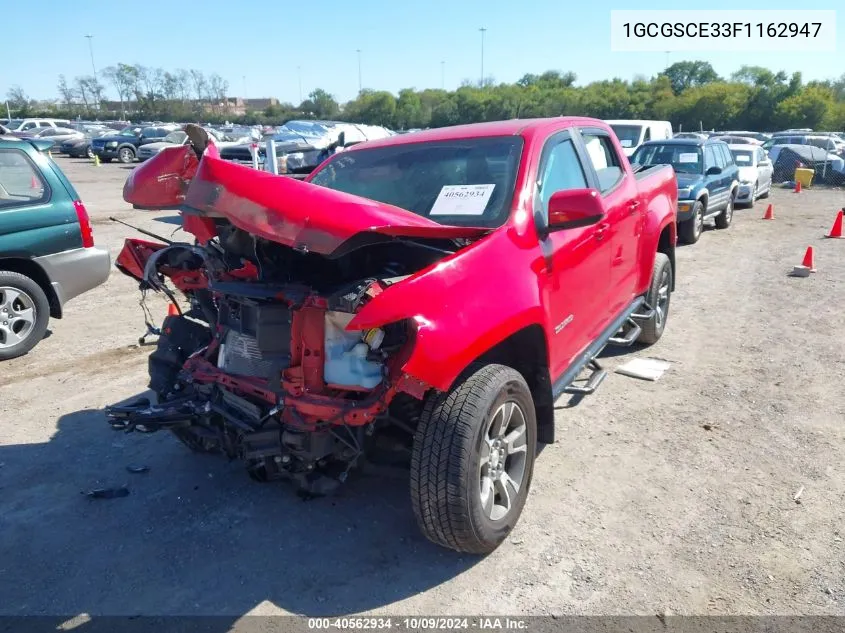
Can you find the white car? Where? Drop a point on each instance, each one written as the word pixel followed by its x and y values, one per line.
pixel 178 137
pixel 755 173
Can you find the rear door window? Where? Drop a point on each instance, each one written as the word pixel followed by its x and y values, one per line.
pixel 604 159
pixel 21 182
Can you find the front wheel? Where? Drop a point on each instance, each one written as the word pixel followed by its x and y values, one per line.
pixel 659 293
pixel 89 153
pixel 473 458
pixel 24 313
pixel 690 230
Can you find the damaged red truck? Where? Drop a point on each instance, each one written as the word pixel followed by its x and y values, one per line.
pixel 418 301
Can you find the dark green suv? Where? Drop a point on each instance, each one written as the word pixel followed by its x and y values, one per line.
pixel 47 252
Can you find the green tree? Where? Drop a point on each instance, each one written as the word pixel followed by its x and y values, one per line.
pixel 320 104
pixel 689 74
pixel 805 109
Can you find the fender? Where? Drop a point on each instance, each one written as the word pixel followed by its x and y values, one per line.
pixel 661 213
pixel 462 306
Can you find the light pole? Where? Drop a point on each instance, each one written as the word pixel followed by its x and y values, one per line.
pixel 93 67
pixel 358 50
pixel 299 76
pixel 443 75
pixel 483 31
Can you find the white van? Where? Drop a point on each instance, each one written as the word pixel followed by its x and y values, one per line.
pixel 26 125
pixel 634 132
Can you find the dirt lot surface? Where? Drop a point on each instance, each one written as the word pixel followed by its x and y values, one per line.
pixel 670 496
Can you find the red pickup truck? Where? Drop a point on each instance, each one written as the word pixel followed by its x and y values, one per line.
pixel 419 300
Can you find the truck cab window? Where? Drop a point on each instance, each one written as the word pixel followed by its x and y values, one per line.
pixel 604 160
pixel 647 136
pixel 561 172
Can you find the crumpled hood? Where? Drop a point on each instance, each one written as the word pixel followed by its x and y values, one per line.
pixel 307 217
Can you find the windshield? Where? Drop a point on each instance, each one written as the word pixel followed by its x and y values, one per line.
pixel 685 159
pixel 129 131
pixel 175 137
pixel 629 135
pixel 462 182
pixel 743 157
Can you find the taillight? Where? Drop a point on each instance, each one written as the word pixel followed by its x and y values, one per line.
pixel 84 224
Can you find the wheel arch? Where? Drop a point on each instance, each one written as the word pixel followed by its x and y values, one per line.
pixel 526 350
pixel 30 269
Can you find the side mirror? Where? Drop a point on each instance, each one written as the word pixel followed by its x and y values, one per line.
pixel 714 171
pixel 574 208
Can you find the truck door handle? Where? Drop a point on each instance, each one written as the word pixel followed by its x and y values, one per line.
pixel 601 229
pixel 633 206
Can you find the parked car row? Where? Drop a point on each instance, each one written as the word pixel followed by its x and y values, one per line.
pixel 712 177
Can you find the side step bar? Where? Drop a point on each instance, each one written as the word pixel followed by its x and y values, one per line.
pixel 631 330
pixel 588 356
pixel 593 382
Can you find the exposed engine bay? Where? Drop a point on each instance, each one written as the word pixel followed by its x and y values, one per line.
pixel 260 366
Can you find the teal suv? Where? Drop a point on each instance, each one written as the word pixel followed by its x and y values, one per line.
pixel 47 252
pixel 708 180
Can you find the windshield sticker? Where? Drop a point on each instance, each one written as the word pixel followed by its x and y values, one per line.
pixel 462 200
pixel 624 142
pixel 688 158
pixel 742 159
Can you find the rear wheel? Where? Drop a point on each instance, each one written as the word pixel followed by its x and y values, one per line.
pixel 89 153
pixel 723 220
pixel 473 458
pixel 126 155
pixel 24 313
pixel 690 230
pixel 659 293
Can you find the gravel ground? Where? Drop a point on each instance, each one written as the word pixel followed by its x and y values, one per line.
pixel 674 496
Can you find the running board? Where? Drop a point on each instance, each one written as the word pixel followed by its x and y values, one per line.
pixel 629 335
pixel 593 382
pixel 588 357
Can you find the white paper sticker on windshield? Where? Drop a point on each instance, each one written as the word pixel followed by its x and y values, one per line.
pixel 742 159
pixel 462 200
pixel 688 158
pixel 625 143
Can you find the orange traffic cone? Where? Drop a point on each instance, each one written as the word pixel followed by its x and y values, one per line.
pixel 770 213
pixel 809 260
pixel 836 229
pixel 172 309
pixel 33 183
pixel 797 186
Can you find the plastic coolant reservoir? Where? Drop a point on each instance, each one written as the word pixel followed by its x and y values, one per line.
pixel 346 361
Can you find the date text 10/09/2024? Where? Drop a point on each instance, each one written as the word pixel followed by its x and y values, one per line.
pixel 721 29
pixel 418 623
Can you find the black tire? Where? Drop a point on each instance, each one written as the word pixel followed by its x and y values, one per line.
pixel 768 191
pixel 690 230
pixel 724 219
pixel 447 474
pixel 35 296
pixel 89 153
pixel 658 297
pixel 126 155
pixel 754 196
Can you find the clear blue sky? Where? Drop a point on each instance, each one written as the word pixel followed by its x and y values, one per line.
pixel 402 43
